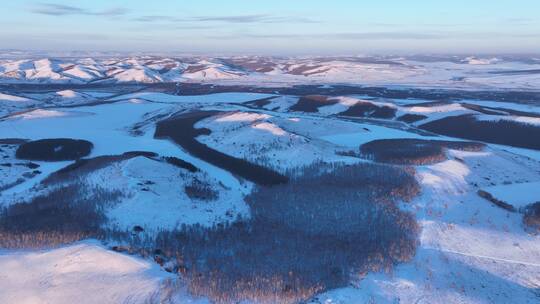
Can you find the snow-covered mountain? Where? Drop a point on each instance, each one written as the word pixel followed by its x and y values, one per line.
pixel 449 71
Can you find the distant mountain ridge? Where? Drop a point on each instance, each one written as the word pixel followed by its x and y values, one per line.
pixel 449 71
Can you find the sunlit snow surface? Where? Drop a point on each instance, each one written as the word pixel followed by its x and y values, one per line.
pixel 85 273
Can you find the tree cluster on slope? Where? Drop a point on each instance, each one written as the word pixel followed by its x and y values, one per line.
pixel 327 225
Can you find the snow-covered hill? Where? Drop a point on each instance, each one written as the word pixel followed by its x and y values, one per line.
pixel 81 273
pixel 467 72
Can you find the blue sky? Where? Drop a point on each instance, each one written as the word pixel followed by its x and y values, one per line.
pixel 274 27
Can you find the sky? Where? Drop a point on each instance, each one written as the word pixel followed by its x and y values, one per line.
pixel 276 27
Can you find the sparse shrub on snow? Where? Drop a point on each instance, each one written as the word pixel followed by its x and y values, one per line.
pixel 201 190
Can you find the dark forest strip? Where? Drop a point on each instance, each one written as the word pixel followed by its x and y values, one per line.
pixel 181 130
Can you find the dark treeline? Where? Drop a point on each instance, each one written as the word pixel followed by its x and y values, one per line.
pixel 434 103
pixel 368 109
pixel 54 149
pixel 181 130
pixel 412 151
pixel 312 103
pixel 517 72
pixel 499 203
pixel 499 111
pixel 503 132
pixel 379 92
pixel 261 102
pixel 180 163
pixel 410 118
